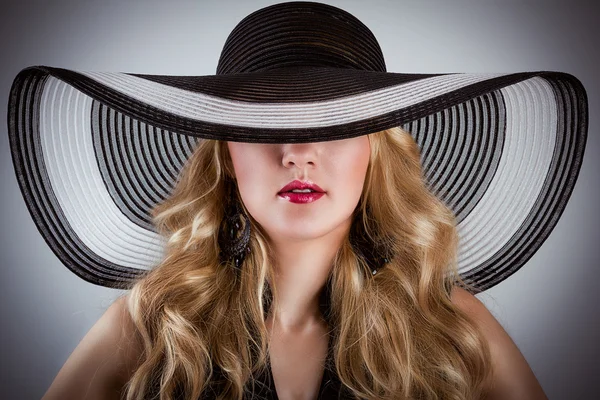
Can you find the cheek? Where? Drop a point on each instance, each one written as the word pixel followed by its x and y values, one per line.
pixel 252 173
pixel 356 165
pixel 247 163
pixel 238 159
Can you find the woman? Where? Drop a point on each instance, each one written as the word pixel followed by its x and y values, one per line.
pixel 190 308
pixel 351 290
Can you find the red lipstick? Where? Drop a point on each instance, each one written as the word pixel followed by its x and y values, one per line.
pixel 310 192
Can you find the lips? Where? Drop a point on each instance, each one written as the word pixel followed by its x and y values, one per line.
pixel 296 184
pixel 301 198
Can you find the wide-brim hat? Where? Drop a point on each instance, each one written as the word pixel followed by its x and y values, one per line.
pixel 94 152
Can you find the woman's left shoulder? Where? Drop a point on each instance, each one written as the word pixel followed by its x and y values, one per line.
pixel 513 377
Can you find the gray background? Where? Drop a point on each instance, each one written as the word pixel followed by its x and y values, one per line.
pixel 548 307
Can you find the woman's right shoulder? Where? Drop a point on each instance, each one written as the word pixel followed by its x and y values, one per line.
pixel 104 360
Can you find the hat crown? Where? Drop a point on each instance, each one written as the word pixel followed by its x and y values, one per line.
pixel 297 34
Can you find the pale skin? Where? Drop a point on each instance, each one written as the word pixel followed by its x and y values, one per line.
pixel 305 238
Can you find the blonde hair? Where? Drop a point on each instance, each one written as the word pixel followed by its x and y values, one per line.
pixel 396 334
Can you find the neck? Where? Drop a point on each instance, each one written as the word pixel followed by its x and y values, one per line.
pixel 301 272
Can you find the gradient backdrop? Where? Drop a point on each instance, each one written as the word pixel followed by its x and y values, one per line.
pixel 549 307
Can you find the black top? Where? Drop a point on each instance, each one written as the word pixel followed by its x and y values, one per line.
pixel 264 387
pixel 330 387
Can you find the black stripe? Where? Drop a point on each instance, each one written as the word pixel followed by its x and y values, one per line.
pixel 460 182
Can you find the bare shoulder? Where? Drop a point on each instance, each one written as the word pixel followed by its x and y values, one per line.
pixel 513 377
pixel 103 361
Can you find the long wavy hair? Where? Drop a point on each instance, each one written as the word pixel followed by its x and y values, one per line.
pixel 396 334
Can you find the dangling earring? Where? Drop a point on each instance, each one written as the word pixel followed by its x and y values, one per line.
pixel 234 242
pixel 376 255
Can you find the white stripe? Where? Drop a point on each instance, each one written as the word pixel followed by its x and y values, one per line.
pixel 66 141
pixel 531 123
pixel 203 107
pixel 66 138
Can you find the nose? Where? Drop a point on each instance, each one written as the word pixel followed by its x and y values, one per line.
pixel 299 154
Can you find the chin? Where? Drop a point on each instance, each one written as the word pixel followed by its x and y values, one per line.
pixel 307 230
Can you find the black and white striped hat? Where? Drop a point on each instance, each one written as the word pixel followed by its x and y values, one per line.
pixel 94 152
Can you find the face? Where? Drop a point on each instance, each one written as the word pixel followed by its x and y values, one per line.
pixel 338 167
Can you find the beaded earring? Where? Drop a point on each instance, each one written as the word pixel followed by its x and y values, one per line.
pixel 234 231
pixel 375 254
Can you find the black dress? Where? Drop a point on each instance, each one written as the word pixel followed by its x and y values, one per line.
pixel 330 388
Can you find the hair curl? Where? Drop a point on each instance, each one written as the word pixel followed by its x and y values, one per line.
pixel 396 334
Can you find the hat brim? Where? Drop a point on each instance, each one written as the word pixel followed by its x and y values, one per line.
pixel 94 152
